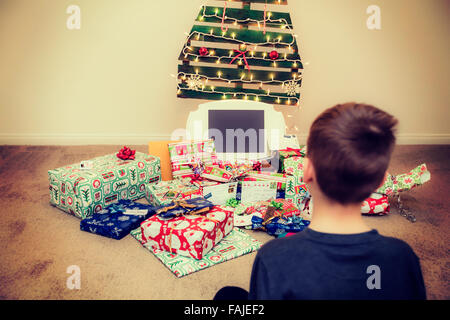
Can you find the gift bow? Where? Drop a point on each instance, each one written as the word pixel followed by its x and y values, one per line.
pixel 232 202
pixel 182 204
pixel 297 151
pixel 243 55
pixel 276 205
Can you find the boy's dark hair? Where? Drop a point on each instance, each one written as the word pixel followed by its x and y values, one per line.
pixel 350 146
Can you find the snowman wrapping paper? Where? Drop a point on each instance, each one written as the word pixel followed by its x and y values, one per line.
pixel 376 204
pixel 189 235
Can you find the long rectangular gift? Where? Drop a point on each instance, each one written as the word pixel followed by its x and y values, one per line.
pixel 117 220
pixel 104 181
pixel 279 178
pixel 165 192
pixel 403 182
pixel 188 235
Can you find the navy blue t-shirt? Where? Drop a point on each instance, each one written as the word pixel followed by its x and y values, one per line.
pixel 322 266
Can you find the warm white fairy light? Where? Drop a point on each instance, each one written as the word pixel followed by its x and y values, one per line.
pixel 198 84
pixel 214 33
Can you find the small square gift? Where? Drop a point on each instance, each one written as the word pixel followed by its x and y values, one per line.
pixel 184 155
pixel 89 186
pixel 165 192
pixel 288 153
pixel 117 220
pixel 189 235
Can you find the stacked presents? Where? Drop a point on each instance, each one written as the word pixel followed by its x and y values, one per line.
pixel 197 219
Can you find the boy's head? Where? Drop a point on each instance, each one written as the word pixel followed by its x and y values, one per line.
pixel 349 147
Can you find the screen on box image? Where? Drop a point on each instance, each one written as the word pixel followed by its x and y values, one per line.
pixel 237 131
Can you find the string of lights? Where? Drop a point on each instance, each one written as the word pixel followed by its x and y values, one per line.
pixel 248 41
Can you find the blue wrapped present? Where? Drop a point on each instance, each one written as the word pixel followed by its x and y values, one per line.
pixel 181 207
pixel 117 220
pixel 280 225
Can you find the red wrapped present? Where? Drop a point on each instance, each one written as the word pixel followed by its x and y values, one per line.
pixel 216 174
pixel 376 204
pixel 189 235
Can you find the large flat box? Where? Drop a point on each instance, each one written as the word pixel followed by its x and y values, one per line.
pixel 82 192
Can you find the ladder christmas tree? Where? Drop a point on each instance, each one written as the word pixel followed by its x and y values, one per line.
pixel 245 49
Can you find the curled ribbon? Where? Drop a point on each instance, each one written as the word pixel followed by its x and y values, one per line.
pixel 223 18
pixel 244 57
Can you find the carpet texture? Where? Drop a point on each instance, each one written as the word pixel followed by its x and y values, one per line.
pixel 39 242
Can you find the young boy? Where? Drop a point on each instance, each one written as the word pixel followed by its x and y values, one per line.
pixel 338 256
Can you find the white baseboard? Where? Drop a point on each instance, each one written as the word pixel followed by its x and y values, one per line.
pixel 137 139
pixel 78 139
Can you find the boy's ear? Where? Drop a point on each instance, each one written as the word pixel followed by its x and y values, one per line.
pixel 308 171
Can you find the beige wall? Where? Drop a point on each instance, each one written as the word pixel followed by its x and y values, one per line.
pixel 110 81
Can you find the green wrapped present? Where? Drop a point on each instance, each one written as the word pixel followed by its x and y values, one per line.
pixel 296 191
pixel 289 153
pixel 106 180
pixel 237 243
pixel 406 181
pixel 294 166
pixel 165 192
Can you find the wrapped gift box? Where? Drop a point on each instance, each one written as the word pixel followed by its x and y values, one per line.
pixel 280 225
pixel 406 181
pixel 220 193
pixel 294 166
pixel 296 191
pixel 165 192
pixel 83 192
pixel 190 235
pixel 235 244
pixel 288 153
pixel 376 204
pixel 215 173
pixel 279 178
pixel 184 155
pixel 117 220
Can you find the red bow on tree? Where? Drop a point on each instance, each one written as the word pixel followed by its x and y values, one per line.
pixel 244 57
pixel 126 153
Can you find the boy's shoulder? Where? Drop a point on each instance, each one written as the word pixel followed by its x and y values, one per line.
pixel 306 241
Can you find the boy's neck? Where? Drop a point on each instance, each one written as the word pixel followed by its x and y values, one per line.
pixel 332 217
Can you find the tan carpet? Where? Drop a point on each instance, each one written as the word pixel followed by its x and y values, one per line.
pixel 38 242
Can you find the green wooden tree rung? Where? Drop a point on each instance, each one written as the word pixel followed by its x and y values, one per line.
pixel 244 36
pixel 278 19
pixel 193 54
pixel 231 91
pixel 192 94
pixel 280 2
pixel 236 74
